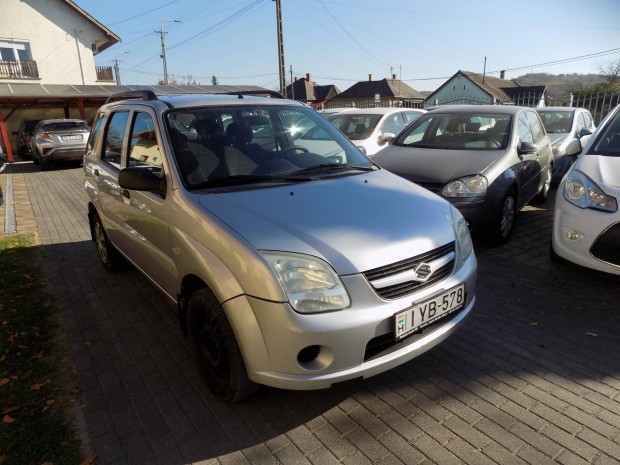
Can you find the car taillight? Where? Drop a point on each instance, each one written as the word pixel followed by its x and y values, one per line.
pixel 46 136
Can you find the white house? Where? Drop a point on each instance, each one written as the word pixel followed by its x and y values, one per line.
pixel 51 42
pixel 473 88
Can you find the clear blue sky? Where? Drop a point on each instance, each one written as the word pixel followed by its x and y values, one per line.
pixel 343 41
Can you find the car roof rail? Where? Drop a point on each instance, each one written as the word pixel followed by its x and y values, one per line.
pixel 267 92
pixel 133 94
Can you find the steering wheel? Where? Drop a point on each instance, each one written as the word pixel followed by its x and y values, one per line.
pixel 294 148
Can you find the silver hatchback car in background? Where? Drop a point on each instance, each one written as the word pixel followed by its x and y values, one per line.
pixel 565 124
pixel 58 140
pixel 289 268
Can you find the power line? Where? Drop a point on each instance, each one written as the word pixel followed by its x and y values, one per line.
pixel 142 13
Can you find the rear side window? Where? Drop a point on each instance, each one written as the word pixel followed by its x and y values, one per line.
pixel 112 147
pixel 524 130
pixel 97 126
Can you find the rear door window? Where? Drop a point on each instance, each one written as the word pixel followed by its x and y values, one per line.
pixel 113 144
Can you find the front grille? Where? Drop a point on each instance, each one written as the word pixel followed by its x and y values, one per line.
pixel 435 188
pixel 607 246
pixel 408 287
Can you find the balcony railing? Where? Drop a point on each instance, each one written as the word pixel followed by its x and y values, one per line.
pixel 26 69
pixel 104 73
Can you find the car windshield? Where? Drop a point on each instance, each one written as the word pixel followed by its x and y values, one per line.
pixel 65 126
pixel 355 126
pixel 215 146
pixel 458 131
pixel 607 142
pixel 557 121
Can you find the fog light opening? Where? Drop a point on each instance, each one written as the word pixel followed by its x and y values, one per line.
pixel 573 235
pixel 308 354
pixel 315 358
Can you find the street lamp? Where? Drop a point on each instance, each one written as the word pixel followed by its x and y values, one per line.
pixel 163 45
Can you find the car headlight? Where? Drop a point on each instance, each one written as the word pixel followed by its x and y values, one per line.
pixel 461 230
pixel 470 186
pixel 582 192
pixel 310 284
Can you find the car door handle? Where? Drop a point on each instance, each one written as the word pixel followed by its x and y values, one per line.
pixel 96 172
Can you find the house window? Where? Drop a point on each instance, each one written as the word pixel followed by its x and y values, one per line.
pixel 16 60
pixel 14 50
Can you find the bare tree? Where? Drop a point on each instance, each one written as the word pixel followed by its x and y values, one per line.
pixel 611 73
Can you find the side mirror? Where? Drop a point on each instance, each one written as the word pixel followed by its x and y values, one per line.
pixel 584 132
pixel 526 148
pixel 139 178
pixel 385 137
pixel 573 148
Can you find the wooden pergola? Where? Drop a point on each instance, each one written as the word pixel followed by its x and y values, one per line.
pixel 86 98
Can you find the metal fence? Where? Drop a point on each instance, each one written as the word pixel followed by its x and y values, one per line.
pixel 598 104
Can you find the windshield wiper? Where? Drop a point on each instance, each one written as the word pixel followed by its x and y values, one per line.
pixel 333 166
pixel 245 179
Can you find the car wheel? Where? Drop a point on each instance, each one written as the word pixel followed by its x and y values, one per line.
pixel 111 259
pixel 505 218
pixel 35 157
pixel 45 164
pixel 216 349
pixel 543 195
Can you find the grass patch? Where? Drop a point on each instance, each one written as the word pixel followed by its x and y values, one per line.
pixel 37 383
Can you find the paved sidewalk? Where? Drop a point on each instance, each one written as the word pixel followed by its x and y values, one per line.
pixel 532 378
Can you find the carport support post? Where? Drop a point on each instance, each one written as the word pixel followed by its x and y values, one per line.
pixel 80 105
pixel 5 138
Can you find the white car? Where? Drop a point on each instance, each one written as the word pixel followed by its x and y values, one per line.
pixel 370 129
pixel 586 223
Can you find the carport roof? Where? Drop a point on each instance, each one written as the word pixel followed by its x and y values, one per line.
pixel 56 93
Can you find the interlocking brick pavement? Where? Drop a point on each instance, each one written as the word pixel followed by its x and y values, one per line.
pixel 532 378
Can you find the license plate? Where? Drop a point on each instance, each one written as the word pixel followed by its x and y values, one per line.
pixel 71 137
pixel 424 313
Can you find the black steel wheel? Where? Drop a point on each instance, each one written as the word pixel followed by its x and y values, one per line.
pixel 216 349
pixel 109 256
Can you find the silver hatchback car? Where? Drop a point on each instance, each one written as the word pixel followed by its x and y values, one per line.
pixel 289 268
pixel 59 140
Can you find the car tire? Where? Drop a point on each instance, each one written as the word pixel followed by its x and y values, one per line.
pixel 45 164
pixel 111 259
pixel 35 157
pixel 215 348
pixel 505 219
pixel 543 195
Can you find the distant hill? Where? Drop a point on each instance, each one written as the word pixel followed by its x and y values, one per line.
pixel 561 84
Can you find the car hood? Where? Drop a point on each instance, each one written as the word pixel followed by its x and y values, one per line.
pixel 434 165
pixel 603 170
pixel 356 223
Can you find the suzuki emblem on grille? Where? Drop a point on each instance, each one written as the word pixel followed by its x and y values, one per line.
pixel 423 271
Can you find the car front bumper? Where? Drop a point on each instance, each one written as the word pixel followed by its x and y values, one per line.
pixel 353 343
pixel 586 237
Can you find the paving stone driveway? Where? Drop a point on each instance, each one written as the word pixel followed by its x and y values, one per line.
pixel 532 378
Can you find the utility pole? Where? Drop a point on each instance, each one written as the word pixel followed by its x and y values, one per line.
pixel 282 71
pixel 163 45
pixel 117 71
